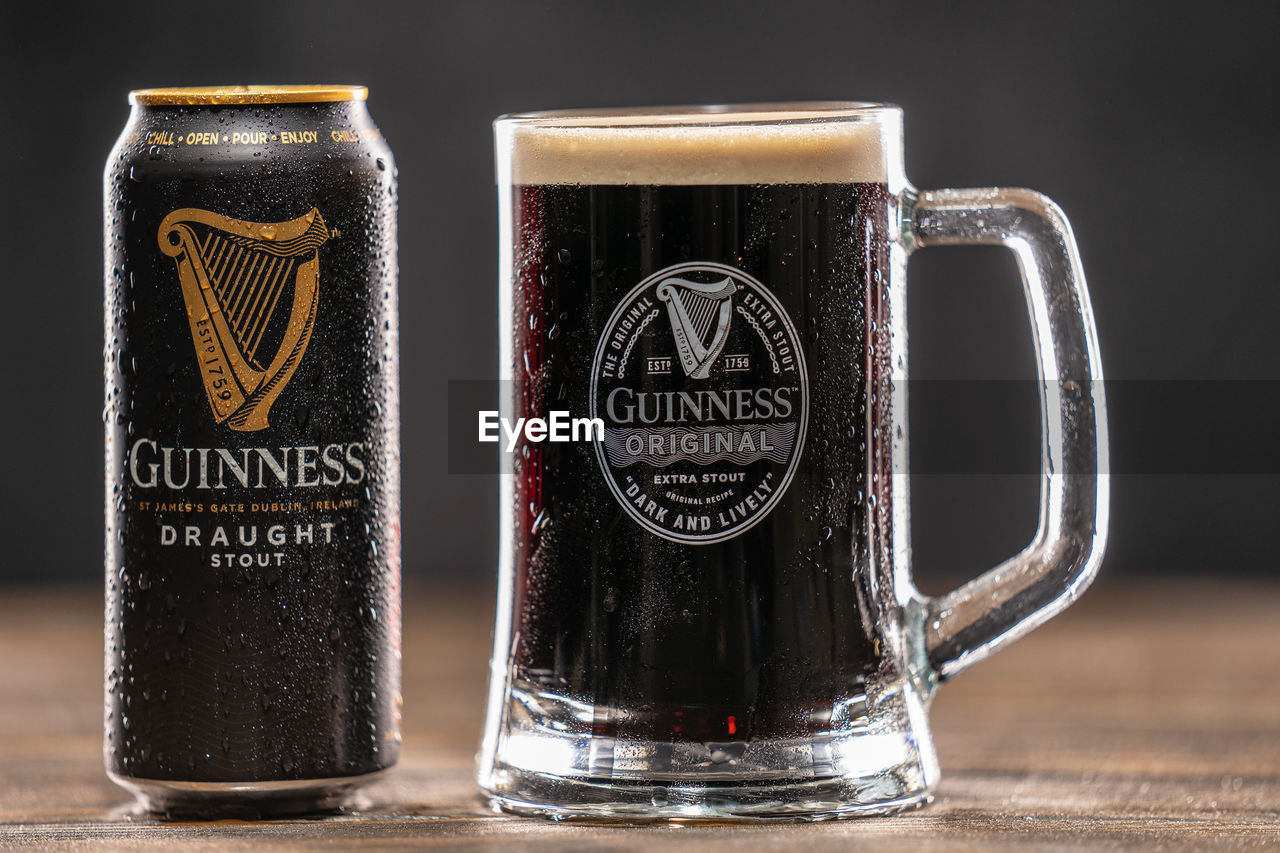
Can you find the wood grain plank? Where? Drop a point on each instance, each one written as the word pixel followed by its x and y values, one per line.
pixel 1147 717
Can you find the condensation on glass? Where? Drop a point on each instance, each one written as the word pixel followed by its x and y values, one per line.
pixel 710 614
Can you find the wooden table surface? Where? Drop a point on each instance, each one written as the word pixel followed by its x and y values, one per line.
pixel 1146 717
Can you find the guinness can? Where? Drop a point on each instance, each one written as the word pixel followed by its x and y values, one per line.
pixel 252 450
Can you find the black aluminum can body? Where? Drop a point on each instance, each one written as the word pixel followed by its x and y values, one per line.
pixel 252 452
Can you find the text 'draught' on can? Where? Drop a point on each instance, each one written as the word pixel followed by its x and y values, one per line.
pixel 252 450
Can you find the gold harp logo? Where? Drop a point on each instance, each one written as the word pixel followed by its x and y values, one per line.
pixel 236 281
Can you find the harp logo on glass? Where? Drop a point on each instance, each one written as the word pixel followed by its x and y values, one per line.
pixel 251 290
pixel 700 380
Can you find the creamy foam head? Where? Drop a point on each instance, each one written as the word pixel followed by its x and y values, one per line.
pixel 767 144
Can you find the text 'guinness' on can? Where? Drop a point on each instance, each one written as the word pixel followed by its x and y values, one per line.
pixel 252 450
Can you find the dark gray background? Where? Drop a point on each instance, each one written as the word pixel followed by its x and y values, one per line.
pixel 1153 125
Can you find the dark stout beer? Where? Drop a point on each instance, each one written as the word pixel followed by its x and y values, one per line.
pixel 252 449
pixel 707 612
pixel 703 574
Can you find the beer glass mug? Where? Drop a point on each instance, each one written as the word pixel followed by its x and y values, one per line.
pixel 707 611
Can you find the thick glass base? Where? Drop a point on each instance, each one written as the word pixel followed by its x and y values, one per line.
pixel 245 800
pixel 540 795
pixel 874 758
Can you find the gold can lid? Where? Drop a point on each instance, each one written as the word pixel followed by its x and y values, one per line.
pixel 206 96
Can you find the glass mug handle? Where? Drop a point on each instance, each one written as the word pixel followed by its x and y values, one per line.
pixel 967 624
